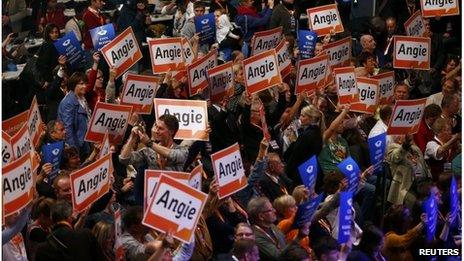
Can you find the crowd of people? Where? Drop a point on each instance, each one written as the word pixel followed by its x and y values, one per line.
pixel 257 222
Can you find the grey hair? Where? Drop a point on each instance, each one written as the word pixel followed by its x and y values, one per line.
pixel 60 211
pixel 255 207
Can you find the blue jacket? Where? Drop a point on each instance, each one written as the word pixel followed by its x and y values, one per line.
pixel 75 120
pixel 250 24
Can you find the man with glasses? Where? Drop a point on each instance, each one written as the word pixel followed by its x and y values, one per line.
pixel 273 182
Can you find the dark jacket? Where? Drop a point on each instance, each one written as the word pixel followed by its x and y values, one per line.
pixel 65 244
pixel 272 190
pixel 282 17
pixel 47 60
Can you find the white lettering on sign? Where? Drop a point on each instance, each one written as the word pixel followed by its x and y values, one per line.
pixel 18 181
pixel 113 121
pixel 412 51
pixel 167 53
pixel 324 18
pixel 407 116
pixel 312 72
pixel 182 207
pixel 262 69
pixel 229 168
pixel 346 83
pixel 7 150
pixel 190 118
pixel 139 92
pixel 127 47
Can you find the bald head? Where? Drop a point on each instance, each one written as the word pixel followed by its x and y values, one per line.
pixel 368 43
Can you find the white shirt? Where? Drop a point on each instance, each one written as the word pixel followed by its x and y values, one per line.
pixel 378 129
pixel 435 99
pixel 432 148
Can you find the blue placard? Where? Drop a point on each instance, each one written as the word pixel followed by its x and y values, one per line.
pixel 377 146
pixel 69 46
pixel 454 200
pixel 306 43
pixel 52 153
pixel 345 217
pixel 431 209
pixel 102 35
pixel 206 26
pixel 306 211
pixel 351 170
pixel 308 172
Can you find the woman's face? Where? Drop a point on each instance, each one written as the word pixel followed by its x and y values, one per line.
pixel 290 211
pixel 99 81
pixel 74 162
pixel 80 89
pixel 450 66
pixel 54 34
pixel 304 119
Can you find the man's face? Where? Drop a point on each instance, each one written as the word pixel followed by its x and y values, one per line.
pixel 59 132
pixel 52 4
pixel 391 27
pixel 369 43
pixel 63 189
pixel 276 165
pixel 268 215
pixel 244 232
pixel 448 88
pixel 97 4
pixel 401 92
pixel 161 131
pixel 199 11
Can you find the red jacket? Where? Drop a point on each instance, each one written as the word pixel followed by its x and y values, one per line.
pixel 93 96
pixel 91 21
pixel 56 17
pixel 423 136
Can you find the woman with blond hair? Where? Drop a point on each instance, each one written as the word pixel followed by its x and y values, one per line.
pixel 104 233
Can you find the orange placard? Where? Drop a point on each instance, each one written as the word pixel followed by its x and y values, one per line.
pixel 323 19
pixel 432 8
pixel 406 117
pixel 386 83
pixel 111 118
pixel 283 59
pixel 139 92
pixel 197 72
pixel 18 183
pixel 7 149
pixel 105 145
pixel 21 142
pixel 192 116
pixel 221 82
pixel 90 183
pixel 196 177
pixel 266 40
pixel 411 52
pixel 166 54
pixel 229 170
pixel 339 52
pixel 12 125
pixel 311 74
pixel 189 56
pixel 415 25
pixel 123 52
pixel 34 121
pixel 175 207
pixel 151 180
pixel 347 88
pixel 368 89
pixel 261 71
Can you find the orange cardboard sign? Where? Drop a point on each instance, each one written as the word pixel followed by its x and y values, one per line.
pixel 21 142
pixel 123 52
pixel 189 56
pixel 345 79
pixel 261 71
pixel 34 120
pixel 406 117
pixel 411 52
pixel 192 116
pixel 111 118
pixel 7 149
pixel 197 72
pixel 151 180
pixel 196 177
pixel 119 249
pixel 12 125
pixel 368 89
pixel 323 19
pixel 105 147
pixel 18 183
pixel 90 183
pixel 266 40
pixel 229 170
pixel 283 59
pixel 339 52
pixel 431 8
pixel 415 25
pixel 175 207
pixel 139 92
pixel 221 82
pixel 166 54
pixel 386 83
pixel 311 74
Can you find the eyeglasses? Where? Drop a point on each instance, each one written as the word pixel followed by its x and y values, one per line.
pixel 269 210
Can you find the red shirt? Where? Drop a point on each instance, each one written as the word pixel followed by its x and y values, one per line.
pixel 423 136
pixel 92 19
pixel 56 17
